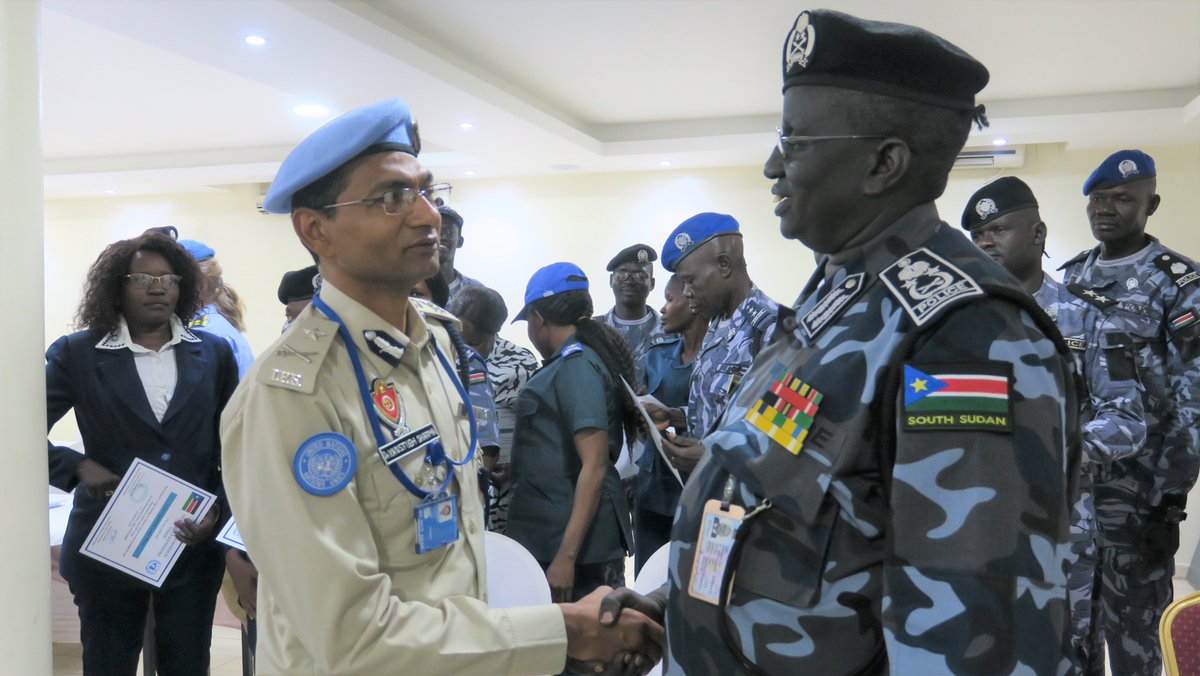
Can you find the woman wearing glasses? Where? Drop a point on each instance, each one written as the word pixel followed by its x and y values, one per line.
pixel 142 386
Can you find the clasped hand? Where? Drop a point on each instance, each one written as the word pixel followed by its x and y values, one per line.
pixel 629 642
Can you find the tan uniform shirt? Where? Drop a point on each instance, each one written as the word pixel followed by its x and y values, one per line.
pixel 341 587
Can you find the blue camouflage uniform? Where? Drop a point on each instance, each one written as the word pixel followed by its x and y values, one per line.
pixel 728 350
pixel 1151 301
pixel 1114 428
pixel 888 527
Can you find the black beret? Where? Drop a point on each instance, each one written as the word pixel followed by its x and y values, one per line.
pixel 298 284
pixel 833 49
pixel 638 253
pixel 450 215
pixel 998 198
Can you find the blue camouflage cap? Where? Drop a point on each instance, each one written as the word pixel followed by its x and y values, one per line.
pixel 338 141
pixel 552 279
pixel 198 249
pixel 693 232
pixel 1122 166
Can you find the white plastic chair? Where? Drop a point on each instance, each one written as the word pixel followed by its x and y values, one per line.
pixel 652 576
pixel 514 577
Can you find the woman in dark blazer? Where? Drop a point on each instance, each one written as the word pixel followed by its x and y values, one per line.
pixel 130 403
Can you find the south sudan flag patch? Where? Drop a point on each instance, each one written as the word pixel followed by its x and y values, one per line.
pixel 957 397
pixel 785 411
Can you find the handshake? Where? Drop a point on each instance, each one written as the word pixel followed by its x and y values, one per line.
pixel 615 631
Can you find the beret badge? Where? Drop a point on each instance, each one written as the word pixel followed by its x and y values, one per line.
pixel 1127 168
pixel 683 241
pixel 800 43
pixel 642 256
pixel 985 207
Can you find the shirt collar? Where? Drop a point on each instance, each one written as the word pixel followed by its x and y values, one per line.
pixel 906 234
pixel 119 339
pixel 360 320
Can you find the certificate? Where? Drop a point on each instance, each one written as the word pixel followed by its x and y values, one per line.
pixel 136 531
pixel 652 431
pixel 230 535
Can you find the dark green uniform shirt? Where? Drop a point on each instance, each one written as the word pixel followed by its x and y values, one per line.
pixel 572 392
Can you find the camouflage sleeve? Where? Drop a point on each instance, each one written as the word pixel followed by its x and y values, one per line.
pixel 1183 380
pixel 974 575
pixel 483 401
pixel 1115 427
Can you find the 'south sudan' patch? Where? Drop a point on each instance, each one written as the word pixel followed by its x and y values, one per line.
pixel 1184 320
pixel 785 411
pixel 957 397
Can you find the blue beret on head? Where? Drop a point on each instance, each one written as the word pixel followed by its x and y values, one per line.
pixel 693 232
pixel 552 279
pixel 833 49
pixel 338 141
pixel 998 198
pixel 1123 166
pixel 199 250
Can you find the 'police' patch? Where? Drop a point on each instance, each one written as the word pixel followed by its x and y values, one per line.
pixel 1179 271
pixel 785 411
pixel 1077 344
pixel 325 463
pixel 957 397
pixel 831 306
pixel 924 283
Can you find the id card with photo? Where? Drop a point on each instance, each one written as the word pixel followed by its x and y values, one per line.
pixel 718 527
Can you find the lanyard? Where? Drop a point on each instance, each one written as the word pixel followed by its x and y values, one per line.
pixel 435 453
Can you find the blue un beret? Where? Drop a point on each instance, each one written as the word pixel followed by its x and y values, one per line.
pixel 1122 166
pixel 338 141
pixel 552 279
pixel 693 232
pixel 998 198
pixel 199 250
pixel 833 49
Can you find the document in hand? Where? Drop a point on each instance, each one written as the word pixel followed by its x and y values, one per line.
pixel 136 531
pixel 653 433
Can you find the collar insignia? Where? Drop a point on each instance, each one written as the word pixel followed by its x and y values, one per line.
pixel 830 307
pixel 384 346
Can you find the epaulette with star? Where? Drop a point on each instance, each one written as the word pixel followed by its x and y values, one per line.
pixel 296 358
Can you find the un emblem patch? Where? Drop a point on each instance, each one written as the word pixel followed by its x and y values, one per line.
pixel 325 463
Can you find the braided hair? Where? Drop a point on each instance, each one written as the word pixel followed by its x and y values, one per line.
pixel 574 308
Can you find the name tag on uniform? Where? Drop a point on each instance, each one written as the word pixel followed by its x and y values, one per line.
pixel 717 530
pixel 437 522
pixel 397 449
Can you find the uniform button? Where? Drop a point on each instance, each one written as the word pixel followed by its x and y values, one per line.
pixel 789 323
pixel 471 528
pixel 165 456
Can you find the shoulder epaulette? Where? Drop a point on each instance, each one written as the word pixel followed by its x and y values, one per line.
pixel 925 284
pixel 1091 296
pixel 1176 267
pixel 573 348
pixel 296 359
pixel 1079 258
pixel 432 311
pixel 760 314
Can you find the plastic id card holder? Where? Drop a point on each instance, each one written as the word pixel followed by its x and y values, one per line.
pixel 717 530
pixel 437 522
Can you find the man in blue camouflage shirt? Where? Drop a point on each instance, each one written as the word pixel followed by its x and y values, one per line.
pixel 1150 293
pixel 889 488
pixel 1004 222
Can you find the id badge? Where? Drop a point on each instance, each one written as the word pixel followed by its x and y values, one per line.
pixel 437 522
pixel 717 530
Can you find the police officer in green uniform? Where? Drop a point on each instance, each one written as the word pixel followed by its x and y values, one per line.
pixel 568 508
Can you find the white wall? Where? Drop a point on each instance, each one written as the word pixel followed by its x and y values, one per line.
pixel 513 226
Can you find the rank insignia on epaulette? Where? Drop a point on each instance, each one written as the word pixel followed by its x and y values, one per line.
pixel 1180 272
pixel 924 283
pixel 957 397
pixel 785 411
pixel 1184 320
pixel 571 349
pixel 831 306
pixel 1092 296
pixel 202 320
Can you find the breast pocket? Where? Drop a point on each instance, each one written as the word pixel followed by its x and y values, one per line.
pixel 389 506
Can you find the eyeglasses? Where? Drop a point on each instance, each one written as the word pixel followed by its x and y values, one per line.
pixel 630 275
pixel 141 280
pixel 398 200
pixel 781 141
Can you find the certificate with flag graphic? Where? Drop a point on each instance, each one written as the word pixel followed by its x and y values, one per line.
pixel 136 531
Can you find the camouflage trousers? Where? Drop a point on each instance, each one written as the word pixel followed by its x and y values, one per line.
pixel 1087 646
pixel 1131 593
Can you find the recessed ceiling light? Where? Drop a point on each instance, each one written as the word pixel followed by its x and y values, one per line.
pixel 665 163
pixel 256 40
pixel 466 125
pixel 109 191
pixel 469 172
pixel 311 110
pixel 564 167
pixel 1001 141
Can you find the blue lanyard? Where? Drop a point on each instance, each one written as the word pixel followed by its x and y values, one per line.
pixel 435 453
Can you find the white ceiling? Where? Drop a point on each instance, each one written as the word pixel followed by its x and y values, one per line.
pixel 143 96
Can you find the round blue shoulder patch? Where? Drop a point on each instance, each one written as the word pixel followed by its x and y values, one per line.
pixel 325 463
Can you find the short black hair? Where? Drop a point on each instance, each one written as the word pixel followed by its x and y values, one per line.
pixel 481 306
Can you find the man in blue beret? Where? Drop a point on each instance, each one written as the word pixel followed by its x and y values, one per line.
pixel 349 458
pixel 888 490
pixel 705 252
pixel 1151 295
pixel 1004 222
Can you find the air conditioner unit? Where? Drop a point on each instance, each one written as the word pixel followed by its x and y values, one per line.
pixel 991 158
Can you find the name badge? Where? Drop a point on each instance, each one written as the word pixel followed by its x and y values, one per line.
pixel 437 522
pixel 717 530
pixel 396 449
